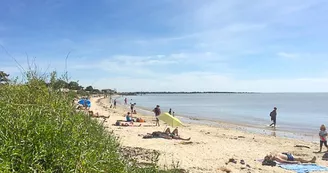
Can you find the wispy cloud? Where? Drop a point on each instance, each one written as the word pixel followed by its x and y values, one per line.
pixel 194 45
pixel 288 55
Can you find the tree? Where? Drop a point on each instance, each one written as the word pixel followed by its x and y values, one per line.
pixel 89 88
pixel 96 91
pixel 60 84
pixel 74 85
pixel 3 77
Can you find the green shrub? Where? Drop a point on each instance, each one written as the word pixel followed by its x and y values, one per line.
pixel 40 131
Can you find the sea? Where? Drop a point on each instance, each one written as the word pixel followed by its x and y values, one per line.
pixel 297 113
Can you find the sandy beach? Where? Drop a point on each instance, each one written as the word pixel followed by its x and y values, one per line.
pixel 209 149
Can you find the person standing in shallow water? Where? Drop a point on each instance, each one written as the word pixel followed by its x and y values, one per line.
pixel 273 116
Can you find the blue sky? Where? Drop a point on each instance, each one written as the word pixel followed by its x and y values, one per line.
pixel 172 45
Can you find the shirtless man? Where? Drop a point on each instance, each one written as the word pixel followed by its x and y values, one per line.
pixel 288 158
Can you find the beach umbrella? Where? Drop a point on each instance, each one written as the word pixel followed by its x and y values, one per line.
pixel 82 102
pixel 170 120
pixel 85 102
pixel 88 103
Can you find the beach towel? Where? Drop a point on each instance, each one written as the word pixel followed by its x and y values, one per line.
pixel 303 168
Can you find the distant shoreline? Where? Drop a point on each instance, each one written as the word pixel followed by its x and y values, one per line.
pixel 212 92
pixel 182 92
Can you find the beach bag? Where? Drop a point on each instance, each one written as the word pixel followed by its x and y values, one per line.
pixel 269 163
pixel 118 123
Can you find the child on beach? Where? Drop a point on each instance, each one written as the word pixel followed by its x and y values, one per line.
pixel 323 137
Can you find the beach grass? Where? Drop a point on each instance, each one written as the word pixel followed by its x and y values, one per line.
pixel 40 131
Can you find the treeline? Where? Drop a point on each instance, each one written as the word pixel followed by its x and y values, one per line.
pixel 62 84
pixel 183 92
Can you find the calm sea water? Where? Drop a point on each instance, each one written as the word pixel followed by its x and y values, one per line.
pixel 302 113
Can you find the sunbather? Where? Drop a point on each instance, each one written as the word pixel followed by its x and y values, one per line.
pixel 122 123
pixel 129 118
pixel 174 133
pixel 287 158
pixel 164 135
pixel 97 115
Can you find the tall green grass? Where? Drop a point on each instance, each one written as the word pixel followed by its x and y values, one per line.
pixel 41 132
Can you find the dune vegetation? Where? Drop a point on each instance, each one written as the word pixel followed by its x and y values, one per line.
pixel 40 131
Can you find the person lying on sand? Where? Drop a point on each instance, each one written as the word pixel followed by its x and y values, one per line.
pixel 287 158
pixel 174 133
pixel 97 115
pixel 122 123
pixel 164 135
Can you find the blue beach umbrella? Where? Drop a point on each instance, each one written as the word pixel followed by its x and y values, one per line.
pixel 85 102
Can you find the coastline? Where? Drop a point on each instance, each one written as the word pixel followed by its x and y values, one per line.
pixel 265 130
pixel 211 147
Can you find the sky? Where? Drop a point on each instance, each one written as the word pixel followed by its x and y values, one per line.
pixel 171 45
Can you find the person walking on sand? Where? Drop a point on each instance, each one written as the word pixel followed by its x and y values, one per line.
pixel 323 137
pixel 157 112
pixel 273 116
pixel 115 104
pixel 132 106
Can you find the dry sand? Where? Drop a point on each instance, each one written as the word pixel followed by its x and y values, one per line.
pixel 210 147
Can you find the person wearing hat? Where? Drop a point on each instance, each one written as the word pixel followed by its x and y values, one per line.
pixel 273 116
pixel 157 112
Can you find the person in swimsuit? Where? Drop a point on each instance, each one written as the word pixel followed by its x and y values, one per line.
pixel 115 104
pixel 288 158
pixel 129 118
pixel 165 135
pixel 157 112
pixel 132 106
pixel 174 133
pixel 323 137
pixel 273 116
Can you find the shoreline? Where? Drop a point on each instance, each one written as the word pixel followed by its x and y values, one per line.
pixel 309 137
pixel 210 147
pixel 249 110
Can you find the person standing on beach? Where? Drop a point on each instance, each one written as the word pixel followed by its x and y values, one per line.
pixel 170 111
pixel 273 116
pixel 115 104
pixel 126 101
pixel 157 112
pixel 323 137
pixel 132 106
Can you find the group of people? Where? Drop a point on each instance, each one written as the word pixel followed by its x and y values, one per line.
pixel 322 133
pixel 157 111
pixel 289 158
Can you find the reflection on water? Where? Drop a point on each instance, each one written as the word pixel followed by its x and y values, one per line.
pixel 273 132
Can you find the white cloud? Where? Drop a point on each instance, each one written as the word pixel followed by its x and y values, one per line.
pixel 288 55
pixel 200 81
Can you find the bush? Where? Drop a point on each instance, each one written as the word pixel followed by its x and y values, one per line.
pixel 40 131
